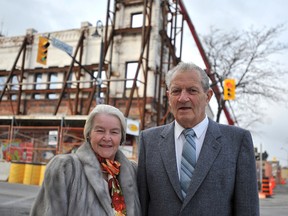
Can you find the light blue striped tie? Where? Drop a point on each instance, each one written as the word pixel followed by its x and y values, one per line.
pixel 188 161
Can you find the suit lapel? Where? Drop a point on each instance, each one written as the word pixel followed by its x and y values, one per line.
pixel 210 149
pixel 167 152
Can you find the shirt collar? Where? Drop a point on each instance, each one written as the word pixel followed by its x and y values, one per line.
pixel 199 129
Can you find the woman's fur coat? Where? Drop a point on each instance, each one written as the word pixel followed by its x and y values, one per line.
pixel 74 185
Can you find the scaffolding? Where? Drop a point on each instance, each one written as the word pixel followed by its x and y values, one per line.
pixel 144 100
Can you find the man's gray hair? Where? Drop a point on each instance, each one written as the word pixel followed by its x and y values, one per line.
pixel 181 67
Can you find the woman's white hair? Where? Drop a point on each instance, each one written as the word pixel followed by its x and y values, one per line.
pixel 106 109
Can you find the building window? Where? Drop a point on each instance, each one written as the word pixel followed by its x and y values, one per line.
pixel 14 83
pixel 69 83
pixel 2 83
pixel 101 81
pixel 52 79
pixel 13 97
pixel 136 20
pixel 38 80
pixel 69 80
pixel 131 68
pixel 38 85
pixel 14 87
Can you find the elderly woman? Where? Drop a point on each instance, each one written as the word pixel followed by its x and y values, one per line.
pixel 98 179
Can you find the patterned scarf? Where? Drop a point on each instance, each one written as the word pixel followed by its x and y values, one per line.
pixel 112 168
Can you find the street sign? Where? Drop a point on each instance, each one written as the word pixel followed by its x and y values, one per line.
pixel 61 45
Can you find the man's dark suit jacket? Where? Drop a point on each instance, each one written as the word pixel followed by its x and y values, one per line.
pixel 224 181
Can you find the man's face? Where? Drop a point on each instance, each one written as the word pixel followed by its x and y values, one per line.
pixel 187 98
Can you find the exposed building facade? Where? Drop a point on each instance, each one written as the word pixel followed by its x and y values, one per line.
pixel 121 61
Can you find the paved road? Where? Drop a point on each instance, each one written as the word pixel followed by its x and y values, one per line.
pixel 16 200
pixel 276 204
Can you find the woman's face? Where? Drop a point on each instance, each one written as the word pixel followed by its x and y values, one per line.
pixel 105 136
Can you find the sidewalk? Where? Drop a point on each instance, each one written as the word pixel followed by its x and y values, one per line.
pixel 17 199
pixel 277 204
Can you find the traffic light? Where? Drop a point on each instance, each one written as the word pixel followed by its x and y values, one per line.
pixel 229 89
pixel 42 50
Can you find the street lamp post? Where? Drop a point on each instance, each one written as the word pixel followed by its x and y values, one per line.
pixel 261 167
pixel 286 153
pixel 99 27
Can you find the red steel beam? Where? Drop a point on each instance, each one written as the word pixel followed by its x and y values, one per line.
pixel 205 59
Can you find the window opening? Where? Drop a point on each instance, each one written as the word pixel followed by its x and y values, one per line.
pixel 52 79
pixel 136 20
pixel 131 68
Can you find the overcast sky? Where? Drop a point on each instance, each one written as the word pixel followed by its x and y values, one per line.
pixel 16 16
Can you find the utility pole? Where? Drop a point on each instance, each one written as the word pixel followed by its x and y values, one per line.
pixel 282 148
pixel 261 167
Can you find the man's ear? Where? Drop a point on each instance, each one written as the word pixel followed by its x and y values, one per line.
pixel 168 95
pixel 209 94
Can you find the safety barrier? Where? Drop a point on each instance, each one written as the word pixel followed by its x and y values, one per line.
pixel 26 173
pixel 267 187
pixel 16 173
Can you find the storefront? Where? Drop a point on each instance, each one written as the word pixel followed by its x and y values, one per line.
pixel 29 143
